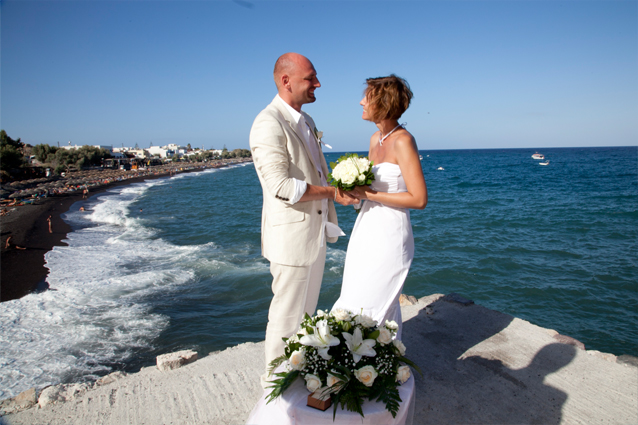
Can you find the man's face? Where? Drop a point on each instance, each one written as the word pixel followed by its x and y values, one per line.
pixel 303 82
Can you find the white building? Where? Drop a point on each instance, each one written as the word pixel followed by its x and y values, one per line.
pixel 161 151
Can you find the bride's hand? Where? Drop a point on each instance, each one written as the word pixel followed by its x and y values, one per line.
pixel 360 192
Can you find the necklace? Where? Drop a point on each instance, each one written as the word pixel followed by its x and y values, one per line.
pixel 386 136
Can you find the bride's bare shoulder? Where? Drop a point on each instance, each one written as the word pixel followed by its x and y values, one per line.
pixel 404 141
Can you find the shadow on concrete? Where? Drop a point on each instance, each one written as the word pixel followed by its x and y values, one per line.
pixel 479 388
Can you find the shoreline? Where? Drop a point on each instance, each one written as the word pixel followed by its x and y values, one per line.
pixel 23 271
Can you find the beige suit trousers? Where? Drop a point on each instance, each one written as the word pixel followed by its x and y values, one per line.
pixel 296 292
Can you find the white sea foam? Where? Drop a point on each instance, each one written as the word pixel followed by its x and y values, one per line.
pixel 98 310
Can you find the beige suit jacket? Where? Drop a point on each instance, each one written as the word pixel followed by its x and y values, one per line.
pixel 290 233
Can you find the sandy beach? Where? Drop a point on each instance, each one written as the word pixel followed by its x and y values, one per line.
pixel 22 270
pixel 479 367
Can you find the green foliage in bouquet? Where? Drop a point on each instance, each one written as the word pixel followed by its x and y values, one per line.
pixel 351 170
pixel 347 356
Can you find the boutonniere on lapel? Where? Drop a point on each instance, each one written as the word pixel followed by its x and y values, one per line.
pixel 319 135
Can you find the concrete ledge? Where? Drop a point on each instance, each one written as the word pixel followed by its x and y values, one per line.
pixel 479 366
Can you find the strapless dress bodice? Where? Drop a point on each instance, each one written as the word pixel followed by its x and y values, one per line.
pixel 388 178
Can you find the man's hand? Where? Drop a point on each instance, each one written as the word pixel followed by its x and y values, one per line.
pixel 345 198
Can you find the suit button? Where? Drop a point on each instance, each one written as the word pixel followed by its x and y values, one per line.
pixel 319 212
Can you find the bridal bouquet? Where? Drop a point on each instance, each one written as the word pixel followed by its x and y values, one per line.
pixel 351 170
pixel 347 357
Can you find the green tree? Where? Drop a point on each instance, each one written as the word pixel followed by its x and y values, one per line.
pixel 42 151
pixel 11 156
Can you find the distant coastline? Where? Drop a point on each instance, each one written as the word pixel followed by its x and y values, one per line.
pixel 23 270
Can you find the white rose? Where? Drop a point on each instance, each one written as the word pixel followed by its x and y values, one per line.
pixel 366 321
pixel 362 178
pixel 313 383
pixel 397 343
pixel 332 380
pixel 341 314
pixel 366 375
pixel 349 173
pixel 297 359
pixel 385 336
pixel 403 374
pixel 320 313
pixel 363 164
pixel 391 324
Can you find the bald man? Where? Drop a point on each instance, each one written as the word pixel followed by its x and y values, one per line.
pixel 298 215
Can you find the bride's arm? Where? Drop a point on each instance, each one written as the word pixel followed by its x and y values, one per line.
pixel 416 197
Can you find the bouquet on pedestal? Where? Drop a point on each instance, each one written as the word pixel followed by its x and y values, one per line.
pixel 347 357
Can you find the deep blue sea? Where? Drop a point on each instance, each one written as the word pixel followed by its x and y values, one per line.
pixel 174 263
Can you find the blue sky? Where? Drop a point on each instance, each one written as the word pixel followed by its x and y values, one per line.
pixel 485 74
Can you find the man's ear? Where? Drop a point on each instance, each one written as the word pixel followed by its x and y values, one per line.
pixel 285 80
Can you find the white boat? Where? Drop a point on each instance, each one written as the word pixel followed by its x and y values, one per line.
pixel 538 156
pixel 544 163
pixel 421 157
pixel 441 168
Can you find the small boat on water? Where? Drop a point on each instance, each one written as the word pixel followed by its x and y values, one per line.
pixel 440 168
pixel 538 156
pixel 544 163
pixel 421 157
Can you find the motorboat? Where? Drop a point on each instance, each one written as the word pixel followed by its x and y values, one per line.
pixel 421 157
pixel 544 163
pixel 538 156
pixel 440 168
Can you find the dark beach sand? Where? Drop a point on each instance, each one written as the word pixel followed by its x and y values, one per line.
pixel 22 270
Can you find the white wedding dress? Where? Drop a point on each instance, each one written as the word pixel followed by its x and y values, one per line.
pixel 379 253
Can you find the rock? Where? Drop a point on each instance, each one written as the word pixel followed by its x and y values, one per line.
pixel 407 300
pixel 22 401
pixel 110 378
pixel 61 393
pixel 453 297
pixel 604 356
pixel 26 397
pixel 49 395
pixel 627 360
pixel 175 360
pixel 564 339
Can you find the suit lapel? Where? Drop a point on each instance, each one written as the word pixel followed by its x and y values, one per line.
pixel 276 103
pixel 323 166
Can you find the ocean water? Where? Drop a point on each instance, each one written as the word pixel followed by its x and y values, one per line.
pixel 174 263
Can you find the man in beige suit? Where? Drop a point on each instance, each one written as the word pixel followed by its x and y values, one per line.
pixel 298 215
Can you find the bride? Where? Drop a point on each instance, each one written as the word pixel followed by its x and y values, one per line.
pixel 381 247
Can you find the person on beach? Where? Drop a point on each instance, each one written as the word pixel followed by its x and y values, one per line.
pixel 381 246
pixel 8 244
pixel 49 221
pixel 298 215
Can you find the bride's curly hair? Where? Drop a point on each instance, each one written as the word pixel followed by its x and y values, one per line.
pixel 388 97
